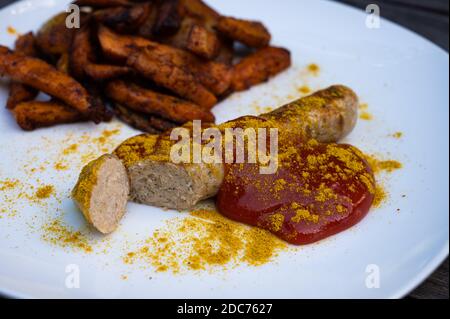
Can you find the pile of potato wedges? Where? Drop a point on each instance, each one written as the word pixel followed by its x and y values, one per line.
pixel 154 64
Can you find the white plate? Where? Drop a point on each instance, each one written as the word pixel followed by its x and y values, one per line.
pixel 402 77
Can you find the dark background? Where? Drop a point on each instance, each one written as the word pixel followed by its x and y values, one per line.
pixel 430 19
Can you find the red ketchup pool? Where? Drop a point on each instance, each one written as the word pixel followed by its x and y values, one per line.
pixel 318 190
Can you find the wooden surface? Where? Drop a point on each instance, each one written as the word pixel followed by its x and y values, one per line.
pixel 430 19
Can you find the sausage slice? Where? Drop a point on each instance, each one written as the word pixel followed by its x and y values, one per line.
pixel 102 192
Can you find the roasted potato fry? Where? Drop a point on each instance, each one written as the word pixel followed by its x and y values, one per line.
pixel 81 52
pixel 226 51
pixel 118 47
pixel 203 42
pixel 25 44
pixel 168 20
pixel 259 67
pixel 137 120
pixel 184 47
pixel 63 63
pixel 103 3
pixel 44 77
pixel 31 115
pixel 54 38
pixel 201 12
pixel 161 124
pixel 105 72
pixel 146 29
pixel 251 33
pixel 147 101
pixel 123 19
pixel 180 39
pixel 164 72
pixel 82 56
pixel 95 90
pixel 215 76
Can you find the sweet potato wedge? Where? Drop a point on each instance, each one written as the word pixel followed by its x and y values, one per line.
pixel 123 19
pixel 134 119
pixel 31 115
pixel 44 77
pixel 146 28
pixel 259 67
pixel 161 69
pixel 117 47
pixel 63 63
pixel 82 56
pixel 203 42
pixel 168 20
pixel 215 76
pixel 54 38
pixel 251 33
pixel 199 10
pixel 103 3
pixel 18 92
pixel 180 39
pixel 147 101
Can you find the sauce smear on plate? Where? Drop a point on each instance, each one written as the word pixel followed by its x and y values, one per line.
pixel 318 190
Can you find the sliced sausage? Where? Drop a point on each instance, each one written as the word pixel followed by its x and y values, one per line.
pixel 102 192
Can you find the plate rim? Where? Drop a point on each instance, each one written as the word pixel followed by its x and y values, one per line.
pixel 402 291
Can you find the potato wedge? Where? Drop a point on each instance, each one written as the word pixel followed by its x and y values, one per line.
pixel 226 51
pixel 82 56
pixel 215 76
pixel 147 101
pixel 180 39
pixel 251 33
pixel 161 69
pixel 199 10
pixel 146 29
pixel 123 19
pixel 31 115
pixel 168 20
pixel 44 77
pixel 54 38
pixel 18 92
pixel 203 42
pixel 137 120
pixel 63 63
pixel 103 3
pixel 259 67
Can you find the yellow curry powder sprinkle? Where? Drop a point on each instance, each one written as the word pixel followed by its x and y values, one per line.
pixel 136 149
pixel 363 106
pixel 203 241
pixel 60 166
pixel 58 234
pixel 276 222
pixel 366 116
pixel 379 166
pixel 363 113
pixel 11 30
pixel 304 89
pixel 380 196
pixel 44 192
pixel 8 184
pixel 71 149
pixel 313 69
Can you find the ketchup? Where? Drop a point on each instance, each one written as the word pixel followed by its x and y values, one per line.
pixel 318 190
